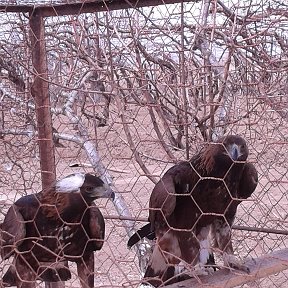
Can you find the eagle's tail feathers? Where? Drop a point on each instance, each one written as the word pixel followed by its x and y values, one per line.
pixel 144 231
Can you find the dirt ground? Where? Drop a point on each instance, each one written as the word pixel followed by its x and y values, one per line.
pixel 117 266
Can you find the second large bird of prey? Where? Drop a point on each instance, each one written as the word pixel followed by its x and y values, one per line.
pixel 55 226
pixel 193 201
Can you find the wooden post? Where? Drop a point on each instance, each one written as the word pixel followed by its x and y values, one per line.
pixel 40 93
pixel 261 267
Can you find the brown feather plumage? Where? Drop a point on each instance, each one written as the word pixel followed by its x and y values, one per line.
pixel 55 226
pixel 53 204
pixel 189 198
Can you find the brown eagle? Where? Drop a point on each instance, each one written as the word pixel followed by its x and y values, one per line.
pixel 194 202
pixel 44 231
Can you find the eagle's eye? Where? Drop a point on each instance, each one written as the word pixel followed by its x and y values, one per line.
pixel 89 189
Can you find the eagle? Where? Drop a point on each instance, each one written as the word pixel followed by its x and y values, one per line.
pixel 44 231
pixel 192 209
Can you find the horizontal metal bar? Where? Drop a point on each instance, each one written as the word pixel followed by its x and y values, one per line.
pixel 235 227
pixel 16 8
pixel 260 229
pixel 143 219
pixel 87 7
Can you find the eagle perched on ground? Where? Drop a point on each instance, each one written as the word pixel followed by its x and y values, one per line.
pixel 44 231
pixel 194 202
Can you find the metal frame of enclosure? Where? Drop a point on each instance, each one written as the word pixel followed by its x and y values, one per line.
pixel 270 264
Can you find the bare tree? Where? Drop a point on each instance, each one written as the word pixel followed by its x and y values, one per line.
pixel 168 76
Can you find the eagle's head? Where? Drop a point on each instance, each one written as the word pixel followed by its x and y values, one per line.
pixel 88 185
pixel 235 147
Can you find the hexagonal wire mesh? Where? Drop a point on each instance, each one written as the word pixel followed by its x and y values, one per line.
pixel 134 91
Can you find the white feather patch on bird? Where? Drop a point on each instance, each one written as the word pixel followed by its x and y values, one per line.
pixel 204 251
pixel 71 183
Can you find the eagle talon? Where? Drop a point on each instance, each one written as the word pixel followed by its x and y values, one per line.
pixel 234 263
pixel 198 270
pixel 204 270
pixel 210 270
pixel 240 267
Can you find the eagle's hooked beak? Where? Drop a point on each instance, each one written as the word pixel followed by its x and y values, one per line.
pixel 234 152
pixel 104 191
pixel 112 195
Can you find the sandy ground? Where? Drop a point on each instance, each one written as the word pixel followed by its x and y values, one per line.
pixel 116 266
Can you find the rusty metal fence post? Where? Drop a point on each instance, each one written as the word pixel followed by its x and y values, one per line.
pixel 40 93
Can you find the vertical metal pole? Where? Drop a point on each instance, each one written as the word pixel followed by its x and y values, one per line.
pixel 183 84
pixel 40 93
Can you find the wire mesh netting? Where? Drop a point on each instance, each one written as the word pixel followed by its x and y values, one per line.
pixel 133 92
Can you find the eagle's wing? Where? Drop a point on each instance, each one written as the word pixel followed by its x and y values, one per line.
pixel 12 231
pixel 221 228
pixel 179 179
pixel 163 199
pixel 248 181
pixel 96 232
pixel 97 227
pixel 161 205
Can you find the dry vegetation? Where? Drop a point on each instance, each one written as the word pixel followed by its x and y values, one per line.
pixel 146 87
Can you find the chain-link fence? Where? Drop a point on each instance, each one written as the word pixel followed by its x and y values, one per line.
pixel 128 93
